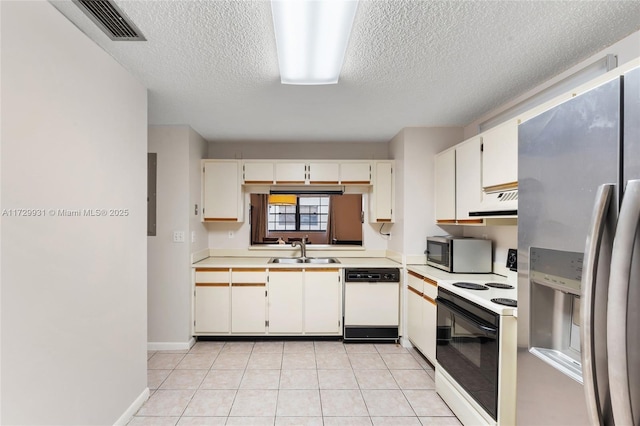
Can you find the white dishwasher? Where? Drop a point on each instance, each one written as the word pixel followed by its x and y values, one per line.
pixel 371 304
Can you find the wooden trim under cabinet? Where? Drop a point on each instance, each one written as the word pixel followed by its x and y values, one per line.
pixel 258 182
pixel 220 219
pixel 430 281
pixel 469 221
pixel 212 269
pixel 413 290
pixel 290 182
pixel 501 187
pixel 417 275
pixel 248 284
pixel 430 300
pixel 212 284
pixel 248 269
pixel 323 182
pixel 355 182
pixel 446 221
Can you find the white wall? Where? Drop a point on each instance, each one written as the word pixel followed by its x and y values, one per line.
pixel 179 150
pixel 219 232
pixel 414 149
pixel 293 150
pixel 74 136
pixel 168 265
pixel 626 49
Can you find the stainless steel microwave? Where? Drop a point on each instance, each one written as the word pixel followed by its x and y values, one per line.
pixel 459 255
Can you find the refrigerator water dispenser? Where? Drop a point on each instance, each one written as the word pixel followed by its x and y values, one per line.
pixel 555 280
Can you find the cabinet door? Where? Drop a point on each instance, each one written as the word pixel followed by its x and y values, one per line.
pixel 323 301
pixel 212 308
pixel 212 302
pixel 445 186
pixel 222 194
pixel 429 319
pixel 468 175
pixel 324 173
pixel 382 193
pixel 414 317
pixel 291 173
pixel 500 157
pixel 258 173
pixel 356 173
pixel 248 301
pixel 285 301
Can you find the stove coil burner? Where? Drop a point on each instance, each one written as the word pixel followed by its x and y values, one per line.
pixel 470 286
pixel 507 302
pixel 499 285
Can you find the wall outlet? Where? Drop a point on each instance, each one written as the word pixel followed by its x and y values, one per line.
pixel 231 234
pixel 178 236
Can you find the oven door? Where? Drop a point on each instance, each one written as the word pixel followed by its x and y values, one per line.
pixel 467 349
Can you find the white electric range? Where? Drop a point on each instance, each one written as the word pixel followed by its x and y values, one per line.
pixel 476 351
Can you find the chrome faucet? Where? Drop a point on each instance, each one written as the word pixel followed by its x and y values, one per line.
pixel 303 246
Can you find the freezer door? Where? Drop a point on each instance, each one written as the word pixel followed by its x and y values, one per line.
pixel 564 155
pixel 623 333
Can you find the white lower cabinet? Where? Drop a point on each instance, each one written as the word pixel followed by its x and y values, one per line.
pixel 254 301
pixel 248 301
pixel 323 301
pixel 212 301
pixel 422 314
pixel 285 301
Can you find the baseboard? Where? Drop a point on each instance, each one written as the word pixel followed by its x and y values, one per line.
pixel 170 346
pixel 133 408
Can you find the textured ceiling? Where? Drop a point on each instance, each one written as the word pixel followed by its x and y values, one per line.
pixel 213 64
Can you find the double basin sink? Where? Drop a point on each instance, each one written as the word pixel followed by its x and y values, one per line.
pixel 316 260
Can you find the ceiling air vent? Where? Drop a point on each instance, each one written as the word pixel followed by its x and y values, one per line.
pixel 106 15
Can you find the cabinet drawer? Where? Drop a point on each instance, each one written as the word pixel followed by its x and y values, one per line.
pixel 249 276
pixel 416 281
pixel 212 276
pixel 430 289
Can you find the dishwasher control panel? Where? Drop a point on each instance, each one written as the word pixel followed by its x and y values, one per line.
pixel 390 275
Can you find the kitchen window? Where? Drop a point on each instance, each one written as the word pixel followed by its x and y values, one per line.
pixel 307 214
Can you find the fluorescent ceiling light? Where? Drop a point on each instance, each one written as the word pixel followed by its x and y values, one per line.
pixel 312 37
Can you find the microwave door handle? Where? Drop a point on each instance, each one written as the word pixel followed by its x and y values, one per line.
pixel 588 299
pixel 619 284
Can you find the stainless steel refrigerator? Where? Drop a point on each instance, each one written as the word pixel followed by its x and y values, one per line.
pixel 579 260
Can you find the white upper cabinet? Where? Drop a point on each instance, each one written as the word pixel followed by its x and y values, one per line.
pixel 355 173
pixel 258 172
pixel 500 157
pixel 222 199
pixel 291 172
pixel 382 196
pixel 324 173
pixel 445 186
pixel 468 189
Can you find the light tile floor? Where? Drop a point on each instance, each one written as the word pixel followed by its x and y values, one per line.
pixel 291 383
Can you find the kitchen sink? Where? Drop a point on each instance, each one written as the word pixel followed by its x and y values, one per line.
pixel 318 260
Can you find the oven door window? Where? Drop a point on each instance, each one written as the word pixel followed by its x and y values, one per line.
pixel 468 350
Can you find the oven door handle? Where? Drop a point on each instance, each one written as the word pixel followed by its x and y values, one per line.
pixel 452 307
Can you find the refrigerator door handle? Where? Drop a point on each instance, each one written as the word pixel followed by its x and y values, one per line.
pixel 589 275
pixel 617 306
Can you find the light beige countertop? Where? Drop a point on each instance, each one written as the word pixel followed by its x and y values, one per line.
pixel 263 262
pixel 440 275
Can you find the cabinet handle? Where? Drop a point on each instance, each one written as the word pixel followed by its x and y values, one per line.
pixel 413 290
pixel 418 276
